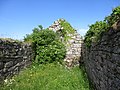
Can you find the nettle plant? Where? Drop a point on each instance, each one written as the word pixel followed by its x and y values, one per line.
pixel 46 45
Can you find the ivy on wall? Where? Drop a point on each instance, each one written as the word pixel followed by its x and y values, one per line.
pixel 97 29
pixel 67 29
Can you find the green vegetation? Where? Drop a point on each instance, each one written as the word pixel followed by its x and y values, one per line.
pixel 96 30
pixel 47 72
pixel 113 17
pixel 67 29
pixel 46 45
pixel 48 77
pixel 29 37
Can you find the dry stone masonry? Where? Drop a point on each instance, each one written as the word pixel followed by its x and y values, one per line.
pixel 73 45
pixel 56 25
pixel 102 61
pixel 14 56
pixel 73 50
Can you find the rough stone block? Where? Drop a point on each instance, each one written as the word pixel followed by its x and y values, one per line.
pixel 1 65
pixel 118 70
pixel 8 64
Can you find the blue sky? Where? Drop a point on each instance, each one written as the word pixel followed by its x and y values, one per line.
pixel 19 17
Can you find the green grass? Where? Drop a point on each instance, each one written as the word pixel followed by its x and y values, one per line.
pixel 48 77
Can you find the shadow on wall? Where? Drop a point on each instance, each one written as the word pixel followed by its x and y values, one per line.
pixel 83 67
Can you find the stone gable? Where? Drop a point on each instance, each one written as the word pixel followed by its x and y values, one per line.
pixel 73 45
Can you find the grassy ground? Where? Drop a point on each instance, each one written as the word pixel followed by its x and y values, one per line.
pixel 48 77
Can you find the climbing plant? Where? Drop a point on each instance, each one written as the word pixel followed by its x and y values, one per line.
pixel 97 29
pixel 95 32
pixel 113 17
pixel 67 29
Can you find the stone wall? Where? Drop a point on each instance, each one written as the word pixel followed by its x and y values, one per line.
pixel 102 61
pixel 73 48
pixel 14 56
pixel 73 45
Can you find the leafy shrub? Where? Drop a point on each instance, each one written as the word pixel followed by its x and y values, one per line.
pixel 96 30
pixel 114 16
pixel 47 46
pixel 29 37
